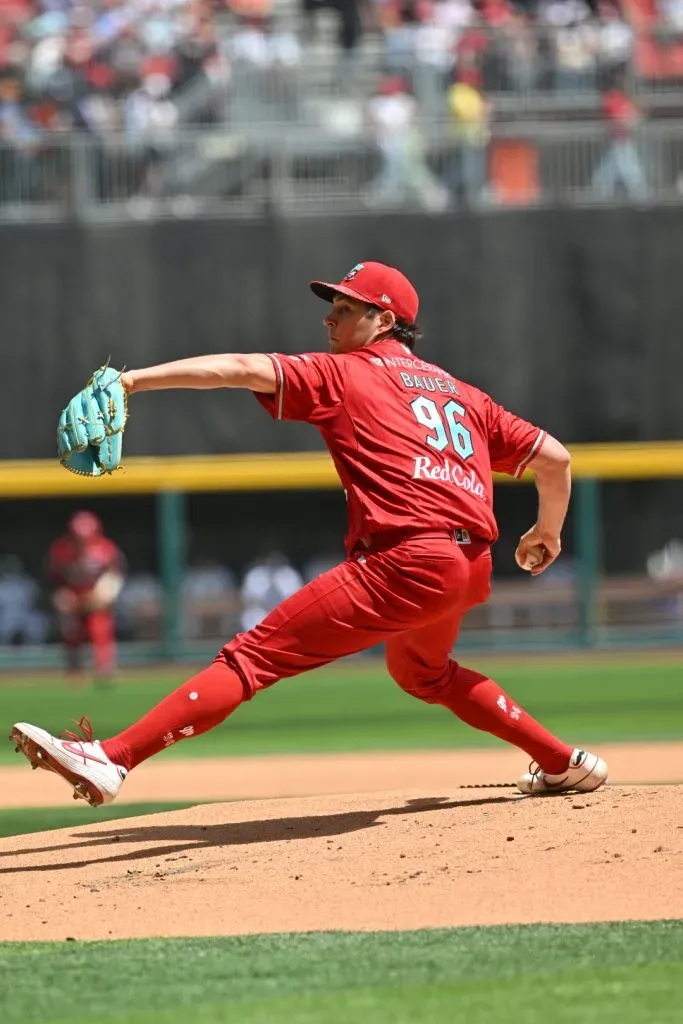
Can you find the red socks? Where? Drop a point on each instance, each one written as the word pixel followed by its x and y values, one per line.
pixel 195 707
pixel 209 697
pixel 482 704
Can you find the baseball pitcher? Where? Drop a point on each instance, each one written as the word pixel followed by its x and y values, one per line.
pixel 415 448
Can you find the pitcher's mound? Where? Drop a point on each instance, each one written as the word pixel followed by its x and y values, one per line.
pixel 394 860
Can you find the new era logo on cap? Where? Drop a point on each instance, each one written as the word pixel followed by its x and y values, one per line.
pixel 377 284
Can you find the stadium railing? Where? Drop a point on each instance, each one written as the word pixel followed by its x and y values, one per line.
pixel 581 609
pixel 255 171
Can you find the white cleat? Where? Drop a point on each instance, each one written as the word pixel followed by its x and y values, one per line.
pixel 81 761
pixel 585 773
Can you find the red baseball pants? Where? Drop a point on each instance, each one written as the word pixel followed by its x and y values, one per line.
pixel 412 596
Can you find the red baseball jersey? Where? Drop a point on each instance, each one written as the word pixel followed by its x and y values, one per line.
pixel 413 446
pixel 80 567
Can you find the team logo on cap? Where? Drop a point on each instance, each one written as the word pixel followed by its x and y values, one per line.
pixel 352 273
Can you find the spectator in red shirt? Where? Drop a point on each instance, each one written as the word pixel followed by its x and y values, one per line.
pixel 87 571
pixel 621 162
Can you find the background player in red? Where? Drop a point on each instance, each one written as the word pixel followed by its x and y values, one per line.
pixel 87 571
pixel 415 448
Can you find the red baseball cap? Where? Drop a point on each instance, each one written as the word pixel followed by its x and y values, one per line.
pixel 378 284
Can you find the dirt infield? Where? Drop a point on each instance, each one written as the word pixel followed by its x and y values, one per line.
pixel 244 778
pixel 425 854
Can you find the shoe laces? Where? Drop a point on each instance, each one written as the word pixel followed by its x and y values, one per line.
pixel 86 734
pixel 534 769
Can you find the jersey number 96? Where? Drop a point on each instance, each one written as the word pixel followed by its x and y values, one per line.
pixel 445 428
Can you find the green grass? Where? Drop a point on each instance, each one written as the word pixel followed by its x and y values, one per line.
pixel 356 706
pixel 626 973
pixel 19 821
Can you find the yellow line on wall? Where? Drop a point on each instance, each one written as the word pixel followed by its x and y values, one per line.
pixel 293 471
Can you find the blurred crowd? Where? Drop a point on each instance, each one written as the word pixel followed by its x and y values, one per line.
pixel 561 44
pixel 108 66
pixel 95 67
pixel 123 64
pixel 129 74
pixel 99 65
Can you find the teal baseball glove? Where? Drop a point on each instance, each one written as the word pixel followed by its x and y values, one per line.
pixel 90 429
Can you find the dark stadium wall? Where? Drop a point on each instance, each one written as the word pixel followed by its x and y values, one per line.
pixel 571 318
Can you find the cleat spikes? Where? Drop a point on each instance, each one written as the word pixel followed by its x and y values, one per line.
pixel 81 792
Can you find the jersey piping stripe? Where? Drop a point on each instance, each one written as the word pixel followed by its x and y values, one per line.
pixel 280 386
pixel 527 459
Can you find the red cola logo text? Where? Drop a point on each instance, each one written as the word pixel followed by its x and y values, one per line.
pixel 452 473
